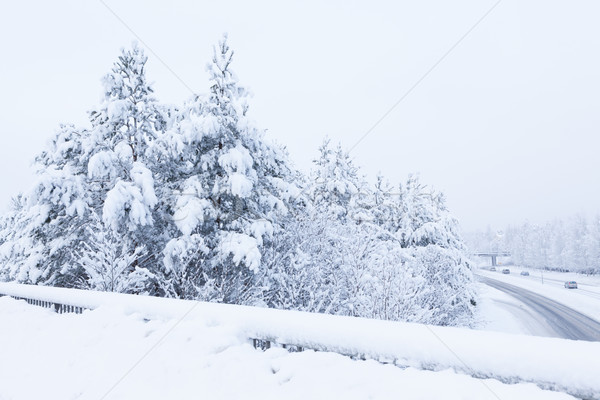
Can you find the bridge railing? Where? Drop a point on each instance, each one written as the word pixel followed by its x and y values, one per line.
pixel 549 362
pixel 491 253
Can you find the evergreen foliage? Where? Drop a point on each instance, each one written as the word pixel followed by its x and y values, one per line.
pixel 194 202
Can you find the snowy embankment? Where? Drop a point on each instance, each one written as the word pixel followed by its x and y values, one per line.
pixel 569 366
pixel 105 354
pixel 585 299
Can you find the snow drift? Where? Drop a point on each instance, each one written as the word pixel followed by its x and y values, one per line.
pixel 549 362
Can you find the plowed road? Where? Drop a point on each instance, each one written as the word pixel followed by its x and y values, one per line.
pixel 564 321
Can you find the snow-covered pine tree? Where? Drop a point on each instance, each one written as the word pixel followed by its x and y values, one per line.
pixel 20 253
pixel 129 114
pixel 127 122
pixel 195 203
pixel 85 172
pixel 47 223
pixel 232 187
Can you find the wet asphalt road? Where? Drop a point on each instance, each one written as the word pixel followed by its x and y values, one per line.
pixel 564 321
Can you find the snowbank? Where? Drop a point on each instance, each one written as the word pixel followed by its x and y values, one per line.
pixel 105 354
pixel 565 365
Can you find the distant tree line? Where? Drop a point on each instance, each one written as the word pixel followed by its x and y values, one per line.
pixel 563 245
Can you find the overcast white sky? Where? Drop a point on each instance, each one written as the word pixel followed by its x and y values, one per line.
pixel 507 125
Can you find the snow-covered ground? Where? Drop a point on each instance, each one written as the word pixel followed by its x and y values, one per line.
pixel 108 354
pixel 585 299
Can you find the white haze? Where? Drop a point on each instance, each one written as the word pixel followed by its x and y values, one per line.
pixel 506 125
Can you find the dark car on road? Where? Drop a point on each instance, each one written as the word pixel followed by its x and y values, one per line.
pixel 524 273
pixel 571 285
pixel 506 271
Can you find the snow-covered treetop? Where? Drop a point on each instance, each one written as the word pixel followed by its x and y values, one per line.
pixel 128 78
pixel 337 185
pixel 129 112
pixel 384 207
pixel 225 93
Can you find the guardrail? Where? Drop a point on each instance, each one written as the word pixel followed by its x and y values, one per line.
pixel 551 363
pixel 57 307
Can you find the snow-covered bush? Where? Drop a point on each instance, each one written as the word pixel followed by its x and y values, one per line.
pixel 350 249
